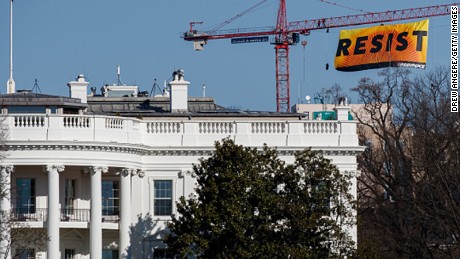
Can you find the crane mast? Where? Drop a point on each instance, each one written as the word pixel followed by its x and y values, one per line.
pixel 282 60
pixel 287 33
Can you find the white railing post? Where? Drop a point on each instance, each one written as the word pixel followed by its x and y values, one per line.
pixel 348 136
pixel 190 135
pixel 295 133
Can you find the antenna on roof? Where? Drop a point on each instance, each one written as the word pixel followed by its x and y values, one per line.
pixel 165 88
pixel 11 85
pixel 36 87
pixel 155 87
pixel 119 83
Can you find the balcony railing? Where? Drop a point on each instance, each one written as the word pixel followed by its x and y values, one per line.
pixel 67 215
pixel 256 132
pixel 75 215
pixel 29 214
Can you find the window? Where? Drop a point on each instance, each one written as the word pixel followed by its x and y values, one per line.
pixel 109 254
pixel 25 195
pixel 25 253
pixel 321 195
pixel 70 195
pixel 26 109
pixel 162 198
pixel 110 198
pixel 154 247
pixel 161 254
pixel 70 111
pixel 69 253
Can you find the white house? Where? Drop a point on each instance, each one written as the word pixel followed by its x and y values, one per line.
pixel 102 173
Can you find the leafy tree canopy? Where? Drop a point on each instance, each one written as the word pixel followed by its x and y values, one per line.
pixel 250 204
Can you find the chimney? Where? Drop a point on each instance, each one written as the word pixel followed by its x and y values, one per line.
pixel 178 92
pixel 342 109
pixel 78 88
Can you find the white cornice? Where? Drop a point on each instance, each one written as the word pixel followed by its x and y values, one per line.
pixel 144 150
pixel 80 146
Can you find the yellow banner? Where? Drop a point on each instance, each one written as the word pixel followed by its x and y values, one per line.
pixel 398 45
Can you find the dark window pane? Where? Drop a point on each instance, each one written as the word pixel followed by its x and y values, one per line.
pixel 110 197
pixel 69 254
pixel 70 194
pixel 26 253
pixel 26 109
pixel 163 197
pixel 163 207
pixel 25 195
pixel 109 254
pixel 161 254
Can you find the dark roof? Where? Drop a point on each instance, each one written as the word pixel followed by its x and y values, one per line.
pixel 38 99
pixel 135 106
pixel 128 105
pixel 160 107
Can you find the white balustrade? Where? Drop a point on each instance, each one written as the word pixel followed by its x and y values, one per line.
pixel 77 122
pixel 215 127
pixel 164 127
pixel 29 121
pixel 114 123
pixel 179 132
pixel 320 127
pixel 268 127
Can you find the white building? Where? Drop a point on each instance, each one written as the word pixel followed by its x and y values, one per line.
pixel 102 174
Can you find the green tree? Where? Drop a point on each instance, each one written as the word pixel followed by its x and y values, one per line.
pixel 250 204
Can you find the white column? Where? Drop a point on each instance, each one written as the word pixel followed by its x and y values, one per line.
pixel 125 211
pixel 95 227
pixel 5 211
pixel 53 210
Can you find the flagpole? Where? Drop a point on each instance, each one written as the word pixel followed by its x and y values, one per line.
pixel 11 85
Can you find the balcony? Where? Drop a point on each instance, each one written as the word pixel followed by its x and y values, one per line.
pixel 28 214
pixel 67 215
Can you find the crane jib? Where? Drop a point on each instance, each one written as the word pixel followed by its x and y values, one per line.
pixel 249 39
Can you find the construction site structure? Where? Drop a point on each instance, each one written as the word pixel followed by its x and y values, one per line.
pixel 286 33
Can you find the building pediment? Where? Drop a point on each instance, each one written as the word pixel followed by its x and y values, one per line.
pixel 73 234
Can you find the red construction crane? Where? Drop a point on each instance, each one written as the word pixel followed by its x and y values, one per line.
pixel 286 34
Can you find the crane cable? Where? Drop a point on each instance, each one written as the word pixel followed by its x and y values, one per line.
pixel 347 7
pixel 326 49
pixel 236 16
